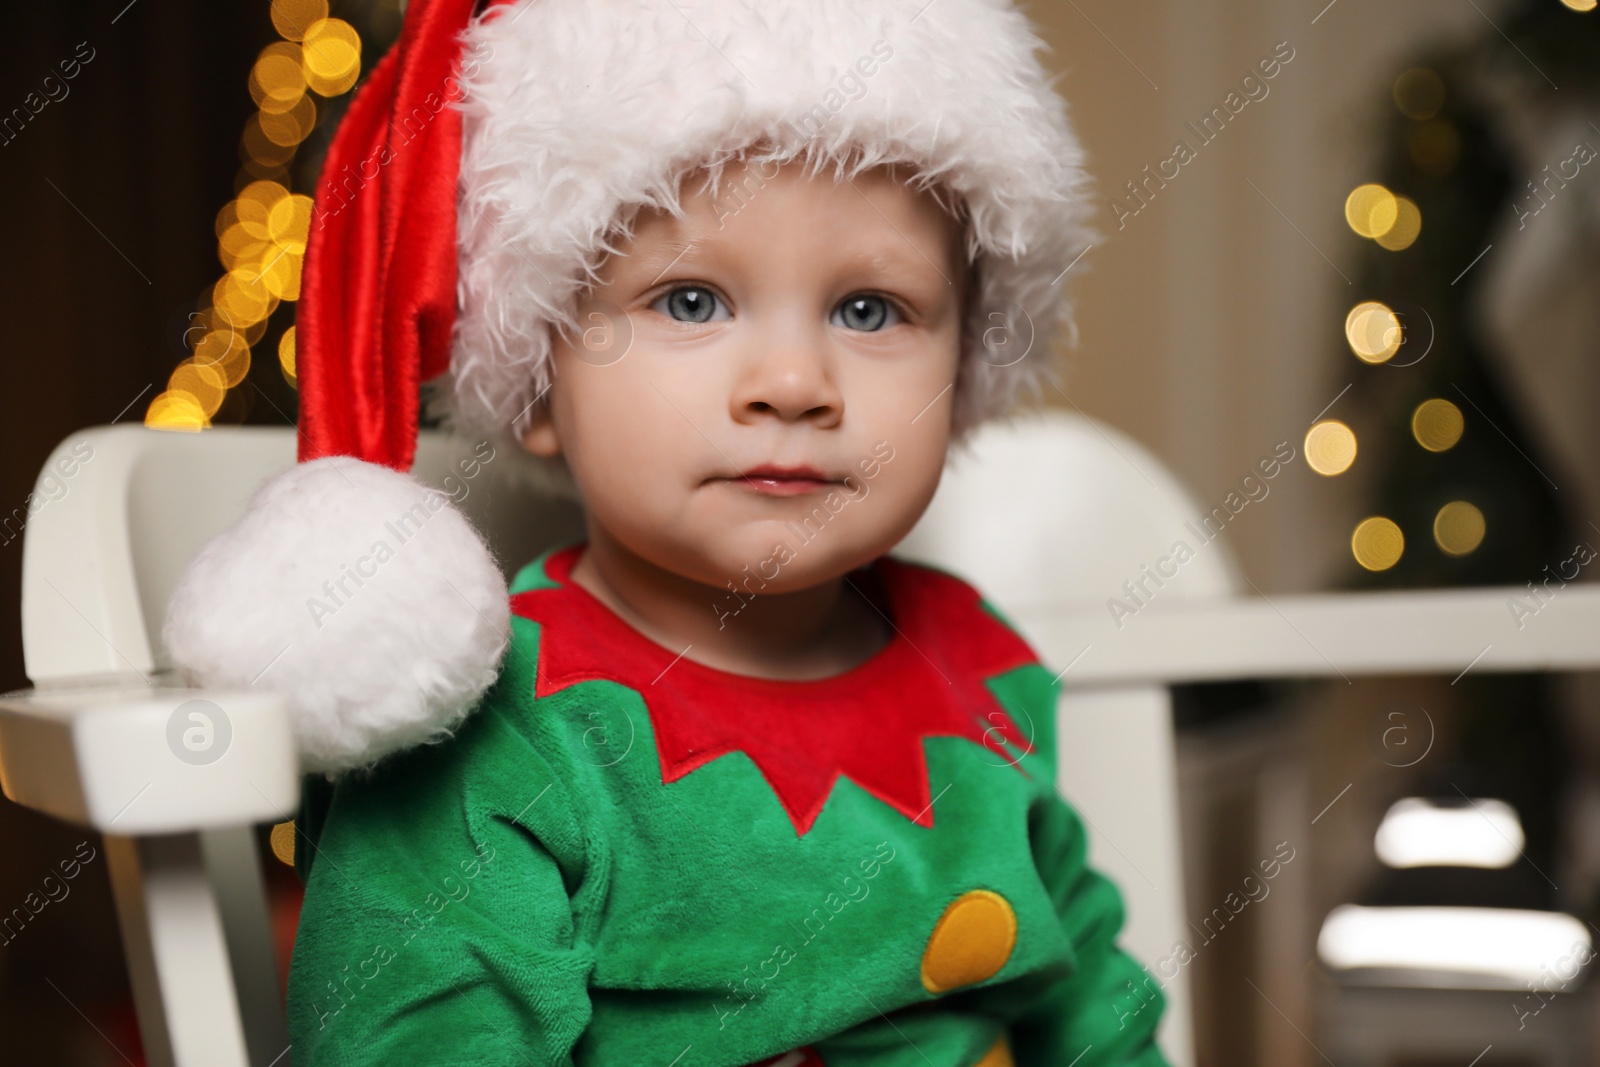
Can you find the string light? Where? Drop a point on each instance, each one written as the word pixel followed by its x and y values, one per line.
pixel 1458 528
pixel 1330 447
pixel 1437 424
pixel 1373 331
pixel 286 354
pixel 1377 543
pixel 1407 226
pixel 1370 210
pixel 262 233
pixel 1392 221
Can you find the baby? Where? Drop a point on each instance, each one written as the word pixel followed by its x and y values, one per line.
pixel 737 787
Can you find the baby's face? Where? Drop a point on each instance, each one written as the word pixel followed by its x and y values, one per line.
pixel 767 384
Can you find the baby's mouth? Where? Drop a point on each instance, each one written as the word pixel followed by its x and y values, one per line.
pixel 773 480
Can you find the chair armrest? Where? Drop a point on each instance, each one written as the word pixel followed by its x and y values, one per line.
pixel 136 760
pixel 1321 635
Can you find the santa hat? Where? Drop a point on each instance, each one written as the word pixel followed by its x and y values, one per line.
pixel 483 171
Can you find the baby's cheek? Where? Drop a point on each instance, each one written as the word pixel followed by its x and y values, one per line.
pixel 613 410
pixel 911 465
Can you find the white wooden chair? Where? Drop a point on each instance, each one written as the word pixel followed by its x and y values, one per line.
pixel 1048 516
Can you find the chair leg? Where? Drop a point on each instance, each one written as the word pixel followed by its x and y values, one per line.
pixel 234 867
pixel 1117 745
pixel 172 932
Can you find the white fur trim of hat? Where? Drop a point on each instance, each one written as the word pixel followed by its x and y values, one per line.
pixel 576 111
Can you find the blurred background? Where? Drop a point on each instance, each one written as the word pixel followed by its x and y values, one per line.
pixel 1362 232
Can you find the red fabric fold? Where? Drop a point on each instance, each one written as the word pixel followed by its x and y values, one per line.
pixel 378 298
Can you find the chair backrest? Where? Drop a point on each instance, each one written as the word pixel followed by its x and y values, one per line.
pixel 1053 508
pixel 125 507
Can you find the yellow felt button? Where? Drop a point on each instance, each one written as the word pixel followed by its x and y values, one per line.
pixel 998 1056
pixel 971 941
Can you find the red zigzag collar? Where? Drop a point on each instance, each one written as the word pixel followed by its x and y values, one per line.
pixel 867 724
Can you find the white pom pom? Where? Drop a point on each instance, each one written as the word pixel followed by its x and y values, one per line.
pixel 361 595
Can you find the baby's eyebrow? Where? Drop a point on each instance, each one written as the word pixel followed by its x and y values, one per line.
pixel 656 260
pixel 904 256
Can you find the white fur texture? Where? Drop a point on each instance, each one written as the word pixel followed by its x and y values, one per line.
pixel 578 112
pixel 377 648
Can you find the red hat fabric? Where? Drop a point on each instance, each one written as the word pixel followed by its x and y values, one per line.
pixel 378 298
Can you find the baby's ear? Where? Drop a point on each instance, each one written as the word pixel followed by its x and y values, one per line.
pixel 540 437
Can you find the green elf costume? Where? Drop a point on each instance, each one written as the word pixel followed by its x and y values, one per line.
pixel 626 857
pixel 529 834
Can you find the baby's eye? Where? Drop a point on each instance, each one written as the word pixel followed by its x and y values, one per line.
pixel 689 303
pixel 867 313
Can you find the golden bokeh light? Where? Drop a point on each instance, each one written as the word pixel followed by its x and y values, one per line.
pixel 281 275
pixel 176 411
pixel 1370 210
pixel 1377 543
pixel 1373 331
pixel 289 222
pixel 286 354
pixel 238 247
pixel 293 18
pixel 240 298
pixel 265 244
pixel 331 55
pixel 258 151
pixel 277 81
pixel 1330 447
pixel 1458 528
pixel 227 352
pixel 202 381
pixel 288 128
pixel 227 218
pixel 250 331
pixel 1580 5
pixel 1407 226
pixel 1437 424
pixel 1419 93
pixel 262 195
pixel 253 208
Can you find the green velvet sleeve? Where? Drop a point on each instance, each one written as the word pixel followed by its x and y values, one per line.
pixel 1106 1011
pixel 438 926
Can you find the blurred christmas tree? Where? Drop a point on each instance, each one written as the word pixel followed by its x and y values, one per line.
pixel 1447 187
pixel 1467 492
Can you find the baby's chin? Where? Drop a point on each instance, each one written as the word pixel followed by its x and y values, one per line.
pixel 772 556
